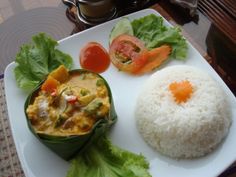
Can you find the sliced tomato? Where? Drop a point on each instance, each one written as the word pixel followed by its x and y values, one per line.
pixel 127 53
pixel 94 57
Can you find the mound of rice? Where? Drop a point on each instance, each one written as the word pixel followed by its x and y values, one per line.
pixel 189 129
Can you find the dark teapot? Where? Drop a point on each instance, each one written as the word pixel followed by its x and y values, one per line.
pixel 93 12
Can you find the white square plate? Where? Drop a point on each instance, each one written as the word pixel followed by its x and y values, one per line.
pixel 38 161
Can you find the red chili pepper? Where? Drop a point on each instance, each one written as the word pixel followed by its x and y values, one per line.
pixel 54 93
pixel 72 99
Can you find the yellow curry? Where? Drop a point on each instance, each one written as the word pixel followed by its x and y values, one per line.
pixel 69 103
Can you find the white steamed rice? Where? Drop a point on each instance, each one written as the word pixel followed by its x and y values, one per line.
pixel 186 130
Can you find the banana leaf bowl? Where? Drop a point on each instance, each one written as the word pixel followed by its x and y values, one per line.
pixel 68 146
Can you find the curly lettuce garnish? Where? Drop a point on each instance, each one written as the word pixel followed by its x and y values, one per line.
pixel 37 59
pixel 102 159
pixel 154 33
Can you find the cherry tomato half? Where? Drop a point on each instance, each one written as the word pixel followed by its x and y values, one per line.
pixel 94 57
pixel 127 53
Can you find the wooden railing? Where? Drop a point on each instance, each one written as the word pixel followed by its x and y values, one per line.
pixel 221 38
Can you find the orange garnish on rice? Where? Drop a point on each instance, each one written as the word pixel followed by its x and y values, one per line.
pixel 181 90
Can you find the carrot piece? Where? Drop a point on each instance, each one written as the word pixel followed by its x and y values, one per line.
pixel 181 90
pixel 50 84
pixel 155 58
pixel 61 74
pixel 140 61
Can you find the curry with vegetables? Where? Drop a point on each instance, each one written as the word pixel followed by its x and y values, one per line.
pixel 69 103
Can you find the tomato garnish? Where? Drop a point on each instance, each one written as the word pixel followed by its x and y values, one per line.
pixel 94 57
pixel 127 53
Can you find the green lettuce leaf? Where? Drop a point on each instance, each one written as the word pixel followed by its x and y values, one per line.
pixel 152 31
pixel 38 59
pixel 102 159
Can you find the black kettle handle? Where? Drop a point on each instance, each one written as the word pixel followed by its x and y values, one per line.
pixel 69 3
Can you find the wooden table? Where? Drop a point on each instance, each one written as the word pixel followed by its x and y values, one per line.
pixel 20 19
